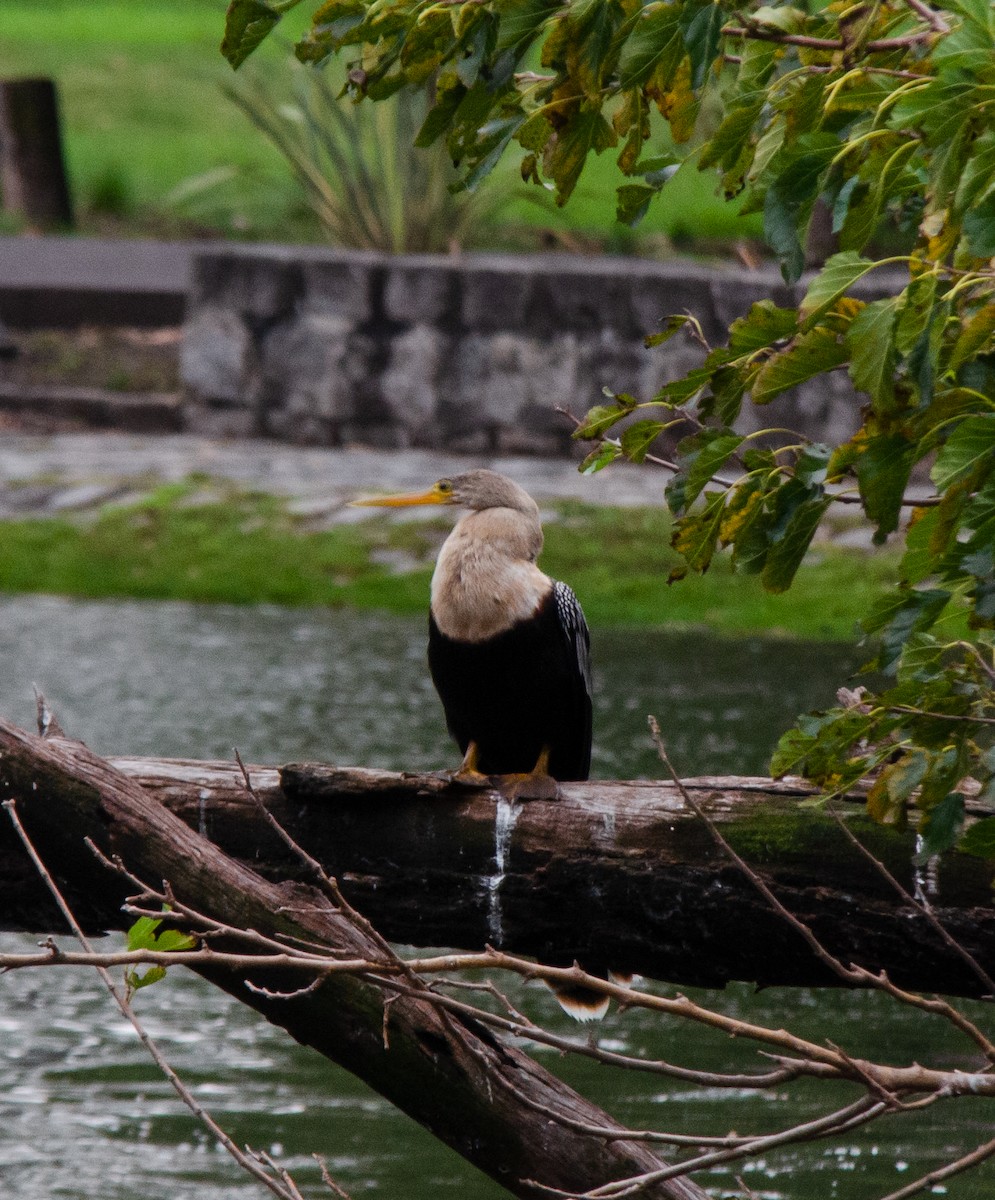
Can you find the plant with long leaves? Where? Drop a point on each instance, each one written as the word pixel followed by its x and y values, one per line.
pixel 883 110
pixel 368 185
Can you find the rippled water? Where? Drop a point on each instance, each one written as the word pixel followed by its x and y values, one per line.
pixel 85 1115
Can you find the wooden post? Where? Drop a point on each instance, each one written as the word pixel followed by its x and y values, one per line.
pixel 32 173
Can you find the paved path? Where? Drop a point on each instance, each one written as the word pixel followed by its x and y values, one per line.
pixel 73 472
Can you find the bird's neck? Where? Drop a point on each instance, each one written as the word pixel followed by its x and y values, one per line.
pixel 485 578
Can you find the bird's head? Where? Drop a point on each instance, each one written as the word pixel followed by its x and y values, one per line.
pixel 472 489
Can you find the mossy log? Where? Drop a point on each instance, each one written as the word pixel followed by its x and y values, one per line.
pixel 474 1092
pixel 611 874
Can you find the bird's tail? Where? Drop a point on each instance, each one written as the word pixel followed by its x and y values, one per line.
pixel 585 1004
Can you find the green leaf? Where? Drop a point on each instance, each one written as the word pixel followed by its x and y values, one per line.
pixel 920 559
pixel 587 131
pixel 971 445
pixel 673 324
pixel 979 838
pixel 791 194
pixel 654 42
pixel 699 457
pixel 782 234
pixel 247 24
pixel 922 659
pixel 808 354
pixel 606 453
pixel 882 469
pixel 702 35
pixel 941 827
pixel 601 418
pixel 638 439
pixel 979 228
pixel 870 341
pixel 134 980
pixel 696 534
pixel 521 22
pixel 762 326
pixel 732 135
pixel 887 798
pixel 143 936
pixel 785 554
pixel 812 465
pixel 840 273
pixel 633 201
pixel 898 616
pixel 915 312
pixel 975 334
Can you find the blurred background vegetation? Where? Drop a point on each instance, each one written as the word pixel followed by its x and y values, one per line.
pixel 156 145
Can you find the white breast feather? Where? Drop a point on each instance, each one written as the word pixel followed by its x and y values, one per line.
pixel 484 581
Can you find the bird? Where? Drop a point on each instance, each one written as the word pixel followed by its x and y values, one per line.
pixel 508 648
pixel 509 653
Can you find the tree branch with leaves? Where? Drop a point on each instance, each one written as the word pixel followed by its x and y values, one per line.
pixel 882 111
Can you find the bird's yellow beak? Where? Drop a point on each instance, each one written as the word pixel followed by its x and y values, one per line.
pixel 434 495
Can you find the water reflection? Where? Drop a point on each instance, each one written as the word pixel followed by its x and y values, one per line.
pixel 83 1113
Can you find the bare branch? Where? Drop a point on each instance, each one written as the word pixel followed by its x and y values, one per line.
pixel 921 906
pixel 985 1151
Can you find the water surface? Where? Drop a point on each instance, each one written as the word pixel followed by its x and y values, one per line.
pixel 84 1115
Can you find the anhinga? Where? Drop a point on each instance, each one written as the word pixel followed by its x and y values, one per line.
pixel 509 653
pixel 508 647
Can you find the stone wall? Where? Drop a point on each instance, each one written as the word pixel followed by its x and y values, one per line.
pixel 468 353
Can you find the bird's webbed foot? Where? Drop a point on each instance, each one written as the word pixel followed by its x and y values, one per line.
pixel 468 774
pixel 538 784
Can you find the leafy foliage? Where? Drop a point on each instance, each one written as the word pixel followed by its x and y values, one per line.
pixel 145 935
pixel 882 113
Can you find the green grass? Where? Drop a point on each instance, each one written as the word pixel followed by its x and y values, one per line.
pixel 153 146
pixel 184 542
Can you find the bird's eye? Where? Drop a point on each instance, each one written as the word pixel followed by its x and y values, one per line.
pixel 445 486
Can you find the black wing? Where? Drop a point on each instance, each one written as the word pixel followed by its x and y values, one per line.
pixel 570 617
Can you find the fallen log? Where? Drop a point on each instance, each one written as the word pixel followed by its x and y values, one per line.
pixel 479 1095
pixel 619 874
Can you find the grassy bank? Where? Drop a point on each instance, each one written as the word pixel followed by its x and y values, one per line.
pixel 188 542
pixel 154 147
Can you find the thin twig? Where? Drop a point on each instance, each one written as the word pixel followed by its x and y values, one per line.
pixel 861 1111
pixel 934 19
pixel 847 974
pixel 922 907
pixel 853 974
pixel 760 34
pixel 965 1163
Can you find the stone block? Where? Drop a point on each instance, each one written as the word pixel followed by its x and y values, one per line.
pixel 313 370
pixel 422 289
pixel 496 295
pixel 733 292
pixel 259 284
pixel 216 357
pixel 674 288
pixel 346 284
pixel 409 384
pixel 579 301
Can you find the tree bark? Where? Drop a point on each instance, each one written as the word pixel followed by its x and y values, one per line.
pixel 612 874
pixel 489 1101
pixel 32 172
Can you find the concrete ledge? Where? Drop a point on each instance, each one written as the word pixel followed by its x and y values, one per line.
pixel 58 283
pixel 134 412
